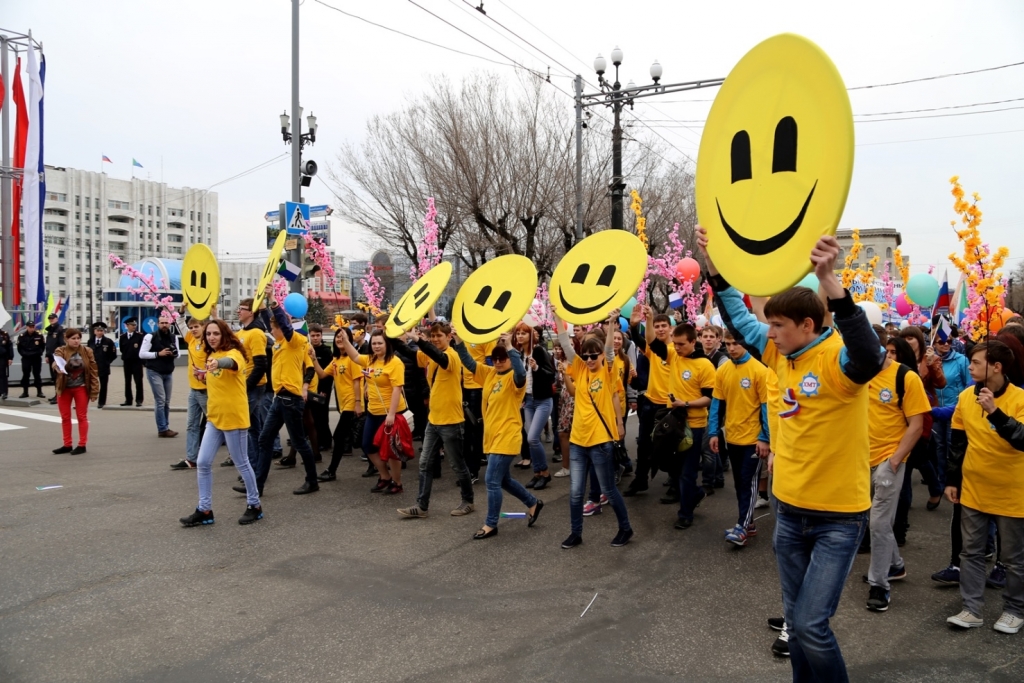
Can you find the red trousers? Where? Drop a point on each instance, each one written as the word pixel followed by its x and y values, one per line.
pixel 80 395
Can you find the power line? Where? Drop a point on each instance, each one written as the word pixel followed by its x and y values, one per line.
pixel 416 38
pixel 933 78
pixel 945 137
pixel 954 106
pixel 470 35
pixel 942 116
pixel 567 69
pixel 564 49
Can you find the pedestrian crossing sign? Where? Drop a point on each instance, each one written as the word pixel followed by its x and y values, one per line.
pixel 298 217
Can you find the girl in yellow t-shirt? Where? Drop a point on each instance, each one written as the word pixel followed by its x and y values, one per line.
pixel 596 426
pixel 347 390
pixel 384 375
pixel 227 420
pixel 504 386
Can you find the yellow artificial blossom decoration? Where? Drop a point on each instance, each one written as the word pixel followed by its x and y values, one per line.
pixel 980 266
pixel 637 206
pixel 339 322
pixel 902 265
pixel 862 274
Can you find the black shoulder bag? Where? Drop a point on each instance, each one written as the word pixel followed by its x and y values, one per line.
pixel 619 452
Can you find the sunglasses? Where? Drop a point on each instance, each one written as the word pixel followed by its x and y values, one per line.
pixel 590 356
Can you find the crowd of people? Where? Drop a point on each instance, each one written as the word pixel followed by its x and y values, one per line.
pixel 814 411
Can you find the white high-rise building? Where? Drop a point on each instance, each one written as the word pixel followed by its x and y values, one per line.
pixel 88 216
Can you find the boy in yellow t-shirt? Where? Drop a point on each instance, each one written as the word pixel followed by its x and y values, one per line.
pixel 986 476
pixel 739 426
pixel 191 330
pixel 897 403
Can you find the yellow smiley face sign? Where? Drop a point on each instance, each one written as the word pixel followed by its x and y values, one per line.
pixel 775 163
pixel 419 299
pixel 597 275
pixel 273 262
pixel 494 298
pixel 200 280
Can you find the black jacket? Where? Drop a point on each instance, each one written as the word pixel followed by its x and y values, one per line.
pixel 54 339
pixel 129 345
pixel 157 343
pixel 31 345
pixel 415 376
pixel 544 375
pixel 105 352
pixel 6 347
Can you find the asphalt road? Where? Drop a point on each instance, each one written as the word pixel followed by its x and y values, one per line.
pixel 100 583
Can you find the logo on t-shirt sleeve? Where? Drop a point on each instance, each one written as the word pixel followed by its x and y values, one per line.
pixel 809 385
pixel 885 395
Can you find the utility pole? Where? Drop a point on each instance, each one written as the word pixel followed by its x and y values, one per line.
pixel 579 157
pixel 295 255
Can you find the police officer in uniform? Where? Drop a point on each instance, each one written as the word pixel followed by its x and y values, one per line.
pixel 54 340
pixel 30 347
pixel 6 358
pixel 104 351
pixel 130 342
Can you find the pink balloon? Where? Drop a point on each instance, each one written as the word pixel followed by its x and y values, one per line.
pixel 687 270
pixel 903 307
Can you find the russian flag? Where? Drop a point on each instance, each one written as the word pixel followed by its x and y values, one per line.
pixel 942 302
pixel 107 159
pixel 675 300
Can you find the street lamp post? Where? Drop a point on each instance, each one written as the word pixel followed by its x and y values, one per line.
pixel 612 94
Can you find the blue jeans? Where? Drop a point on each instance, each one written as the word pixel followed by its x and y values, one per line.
pixel 236 441
pixel 433 438
pixel 689 493
pixel 196 423
pixel 256 415
pixel 603 461
pixel 370 427
pixel 268 398
pixel 161 386
pixel 815 554
pixel 537 414
pixel 498 478
pixel 285 410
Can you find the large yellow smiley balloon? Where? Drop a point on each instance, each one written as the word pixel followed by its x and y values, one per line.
pixel 494 298
pixel 597 275
pixel 418 299
pixel 775 163
pixel 200 280
pixel 273 262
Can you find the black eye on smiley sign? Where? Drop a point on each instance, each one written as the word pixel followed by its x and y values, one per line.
pixel 200 280
pixel 494 298
pixel 418 299
pixel 775 164
pixel 599 274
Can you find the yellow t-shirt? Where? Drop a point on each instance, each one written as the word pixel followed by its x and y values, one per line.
pixel 381 380
pixel 196 359
pixel 619 368
pixel 587 429
pixel 993 470
pixel 307 364
pixel 227 405
pixel 689 377
pixel 660 376
pixel 290 358
pixel 774 401
pixel 888 423
pixel 823 449
pixel 480 353
pixel 445 388
pixel 345 373
pixel 255 343
pixel 743 387
pixel 503 421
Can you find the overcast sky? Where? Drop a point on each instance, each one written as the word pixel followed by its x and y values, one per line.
pixel 200 84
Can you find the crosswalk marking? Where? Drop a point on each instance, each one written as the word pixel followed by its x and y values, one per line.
pixel 4 427
pixel 33 416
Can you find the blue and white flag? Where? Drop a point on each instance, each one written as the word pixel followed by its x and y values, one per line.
pixel 675 300
pixel 944 330
pixel 289 271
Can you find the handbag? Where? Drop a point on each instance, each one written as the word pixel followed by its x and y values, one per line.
pixel 672 433
pixel 619 452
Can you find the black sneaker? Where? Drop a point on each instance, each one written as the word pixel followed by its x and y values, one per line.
pixel 780 648
pixel 633 490
pixel 306 488
pixel 78 450
pixel 671 497
pixel 682 524
pixel 878 599
pixel 62 450
pixel 776 623
pixel 183 464
pixel 572 542
pixel 228 463
pixel 250 515
pixel 326 475
pixel 622 538
pixel 197 518
pixel 371 471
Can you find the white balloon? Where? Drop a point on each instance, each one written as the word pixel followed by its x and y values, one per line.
pixel 872 311
pixel 701 321
pixel 904 324
pixel 530 320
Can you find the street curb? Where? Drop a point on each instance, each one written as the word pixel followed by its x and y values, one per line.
pixel 24 402
pixel 142 409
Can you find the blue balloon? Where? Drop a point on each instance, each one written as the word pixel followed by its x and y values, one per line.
pixel 810 281
pixel 627 308
pixel 623 324
pixel 296 305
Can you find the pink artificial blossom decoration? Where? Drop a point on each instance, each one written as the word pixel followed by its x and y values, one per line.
pixel 428 254
pixel 149 291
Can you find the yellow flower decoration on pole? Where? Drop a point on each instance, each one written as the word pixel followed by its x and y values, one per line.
pixel 637 205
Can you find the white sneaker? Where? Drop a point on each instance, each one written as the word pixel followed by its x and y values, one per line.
pixel 562 473
pixel 1008 623
pixel 761 502
pixel 967 620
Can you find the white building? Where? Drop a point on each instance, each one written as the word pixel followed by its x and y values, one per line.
pixel 88 216
pixel 238 280
pixel 880 242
